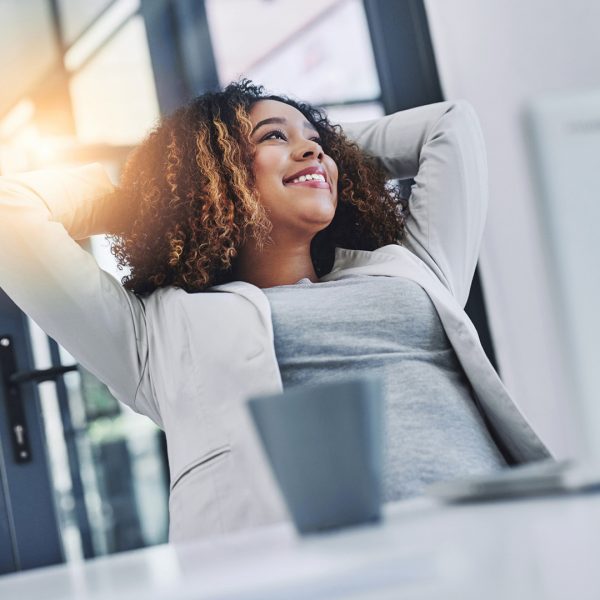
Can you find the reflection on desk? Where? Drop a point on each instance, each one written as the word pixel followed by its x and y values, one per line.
pixel 538 548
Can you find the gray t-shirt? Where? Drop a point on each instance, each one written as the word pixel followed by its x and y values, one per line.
pixel 387 327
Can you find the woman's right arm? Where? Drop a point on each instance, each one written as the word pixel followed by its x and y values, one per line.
pixel 60 285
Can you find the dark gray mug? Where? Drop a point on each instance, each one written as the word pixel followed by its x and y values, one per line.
pixel 324 444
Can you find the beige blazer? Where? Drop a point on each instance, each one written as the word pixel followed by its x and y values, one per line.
pixel 189 361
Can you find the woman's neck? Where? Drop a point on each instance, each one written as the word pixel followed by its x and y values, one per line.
pixel 274 265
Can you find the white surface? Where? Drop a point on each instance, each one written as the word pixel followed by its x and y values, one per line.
pixel 498 54
pixel 544 548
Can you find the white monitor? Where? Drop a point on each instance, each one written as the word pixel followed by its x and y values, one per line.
pixel 564 130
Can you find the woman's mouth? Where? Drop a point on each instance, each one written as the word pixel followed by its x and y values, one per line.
pixel 313 181
pixel 312 184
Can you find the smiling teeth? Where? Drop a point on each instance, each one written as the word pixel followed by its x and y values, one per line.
pixel 313 177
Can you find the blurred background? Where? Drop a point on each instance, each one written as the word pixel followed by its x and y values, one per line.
pixel 85 81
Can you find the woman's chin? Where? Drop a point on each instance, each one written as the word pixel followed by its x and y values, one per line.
pixel 309 213
pixel 322 215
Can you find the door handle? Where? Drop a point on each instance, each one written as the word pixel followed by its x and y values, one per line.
pixel 11 380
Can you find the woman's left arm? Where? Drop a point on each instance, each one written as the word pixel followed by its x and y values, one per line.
pixel 441 146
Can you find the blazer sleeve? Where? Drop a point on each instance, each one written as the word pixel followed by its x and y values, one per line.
pixel 441 146
pixel 60 285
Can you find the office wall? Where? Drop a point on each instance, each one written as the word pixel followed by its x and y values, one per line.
pixel 498 54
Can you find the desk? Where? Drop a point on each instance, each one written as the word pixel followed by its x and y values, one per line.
pixel 538 548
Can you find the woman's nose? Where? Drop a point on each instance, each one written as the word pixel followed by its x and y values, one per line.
pixel 309 149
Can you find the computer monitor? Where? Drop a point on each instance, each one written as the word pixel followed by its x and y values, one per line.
pixel 564 134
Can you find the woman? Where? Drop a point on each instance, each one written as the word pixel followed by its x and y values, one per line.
pixel 266 250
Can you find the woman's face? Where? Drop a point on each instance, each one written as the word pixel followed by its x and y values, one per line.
pixel 287 148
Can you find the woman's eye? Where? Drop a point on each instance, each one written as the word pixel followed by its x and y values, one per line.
pixel 276 133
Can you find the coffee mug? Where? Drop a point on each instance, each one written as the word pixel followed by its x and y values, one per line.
pixel 324 444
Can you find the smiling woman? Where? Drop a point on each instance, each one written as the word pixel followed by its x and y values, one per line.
pixel 219 200
pixel 297 183
pixel 267 250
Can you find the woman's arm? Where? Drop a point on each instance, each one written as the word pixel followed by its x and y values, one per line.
pixel 442 148
pixel 60 286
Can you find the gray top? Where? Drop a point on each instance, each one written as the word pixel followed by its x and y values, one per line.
pixel 387 327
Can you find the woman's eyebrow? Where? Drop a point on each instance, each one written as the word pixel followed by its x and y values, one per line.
pixel 281 121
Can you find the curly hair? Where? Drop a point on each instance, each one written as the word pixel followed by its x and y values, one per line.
pixel 187 201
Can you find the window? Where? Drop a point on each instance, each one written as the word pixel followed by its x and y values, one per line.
pixel 319 52
pixel 113 95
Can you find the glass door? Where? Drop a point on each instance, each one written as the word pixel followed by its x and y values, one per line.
pixel 109 466
pixel 29 529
